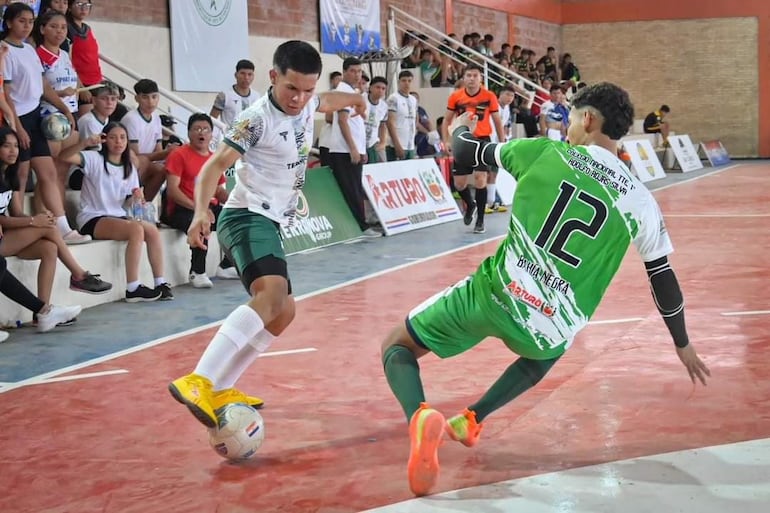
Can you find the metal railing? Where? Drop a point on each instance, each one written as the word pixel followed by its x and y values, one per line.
pixel 400 21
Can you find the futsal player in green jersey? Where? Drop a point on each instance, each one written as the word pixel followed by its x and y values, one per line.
pixel 576 210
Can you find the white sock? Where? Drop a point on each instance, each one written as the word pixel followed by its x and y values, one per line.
pixel 132 286
pixel 242 325
pixel 63 225
pixel 237 365
pixel 491 189
pixel 159 280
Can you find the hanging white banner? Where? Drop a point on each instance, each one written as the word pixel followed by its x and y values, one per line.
pixel 208 37
pixel 350 26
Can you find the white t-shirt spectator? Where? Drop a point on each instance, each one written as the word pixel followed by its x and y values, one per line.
pixel 146 132
pixel 404 108
pixel 24 74
pixel 58 71
pixel 337 143
pixel 231 103
pixel 376 114
pixel 89 124
pixel 104 188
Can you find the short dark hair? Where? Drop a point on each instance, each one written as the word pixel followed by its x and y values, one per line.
pixel 146 86
pixel 244 64
pixel 665 108
pixel 298 56
pixel 473 66
pixel 334 74
pixel 200 116
pixel 551 49
pixel 508 88
pixel 350 61
pixel 612 102
pixel 555 87
pixel 405 73
pixel 378 80
pixel 106 87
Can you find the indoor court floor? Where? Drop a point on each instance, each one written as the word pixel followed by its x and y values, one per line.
pixel 615 426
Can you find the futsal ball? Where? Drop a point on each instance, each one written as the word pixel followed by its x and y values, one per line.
pixel 240 432
pixel 56 127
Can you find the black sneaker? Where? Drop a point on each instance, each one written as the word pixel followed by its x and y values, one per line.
pixel 91 283
pixel 479 228
pixel 469 211
pixel 165 292
pixel 143 293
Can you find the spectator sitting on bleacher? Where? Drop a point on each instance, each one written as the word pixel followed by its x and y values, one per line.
pixel 550 63
pixel 109 178
pixel 569 71
pixel 51 31
pixel 655 123
pixel 554 116
pixel 183 166
pixel 84 50
pixel 24 88
pixel 145 136
pixel 35 237
pixel 47 316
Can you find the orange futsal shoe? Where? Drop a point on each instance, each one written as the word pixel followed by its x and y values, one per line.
pixel 425 431
pixel 464 428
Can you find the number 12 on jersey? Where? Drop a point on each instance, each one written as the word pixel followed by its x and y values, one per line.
pixel 566 227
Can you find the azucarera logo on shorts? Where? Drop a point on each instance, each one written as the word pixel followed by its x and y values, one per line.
pixel 213 12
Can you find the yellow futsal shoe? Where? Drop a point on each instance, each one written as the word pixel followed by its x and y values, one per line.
pixel 464 428
pixel 227 396
pixel 195 392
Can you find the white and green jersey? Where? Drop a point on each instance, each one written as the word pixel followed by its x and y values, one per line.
pixel 575 212
pixel 275 150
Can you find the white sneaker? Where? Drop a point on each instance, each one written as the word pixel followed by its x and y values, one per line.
pixel 75 237
pixel 3 336
pixel 230 273
pixel 371 232
pixel 200 281
pixel 56 315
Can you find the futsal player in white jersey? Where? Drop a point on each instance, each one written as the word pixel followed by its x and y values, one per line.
pixel 273 137
pixel 376 120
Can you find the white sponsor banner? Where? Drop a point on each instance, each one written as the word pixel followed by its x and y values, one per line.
pixel 685 153
pixel 409 194
pixel 208 38
pixel 350 26
pixel 644 161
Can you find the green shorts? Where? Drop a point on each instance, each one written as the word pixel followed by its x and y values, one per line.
pixel 390 153
pixel 250 240
pixel 459 317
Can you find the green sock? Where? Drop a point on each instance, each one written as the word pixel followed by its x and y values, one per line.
pixel 403 373
pixel 522 375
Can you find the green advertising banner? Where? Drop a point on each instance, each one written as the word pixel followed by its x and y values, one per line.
pixel 323 217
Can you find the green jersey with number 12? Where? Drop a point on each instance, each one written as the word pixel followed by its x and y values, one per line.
pixel 575 212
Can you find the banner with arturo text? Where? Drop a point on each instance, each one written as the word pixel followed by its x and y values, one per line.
pixel 409 194
pixel 350 26
pixel 323 217
pixel 208 38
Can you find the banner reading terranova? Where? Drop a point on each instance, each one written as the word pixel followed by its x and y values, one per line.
pixel 351 26
pixel 409 194
pixel 323 217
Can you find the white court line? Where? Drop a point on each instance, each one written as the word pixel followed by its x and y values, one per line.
pixel 324 290
pixel 716 215
pixel 192 331
pixel 289 351
pixel 748 312
pixel 80 376
pixel 617 321
pixel 694 178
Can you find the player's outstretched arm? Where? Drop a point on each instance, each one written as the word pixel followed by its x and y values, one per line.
pixel 670 302
pixel 469 151
pixel 332 101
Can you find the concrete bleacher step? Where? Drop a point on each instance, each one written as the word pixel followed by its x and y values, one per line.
pixel 106 258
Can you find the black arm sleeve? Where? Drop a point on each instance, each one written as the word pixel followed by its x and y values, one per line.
pixel 471 152
pixel 668 298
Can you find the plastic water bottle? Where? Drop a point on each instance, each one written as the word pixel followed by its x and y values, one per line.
pixel 136 209
pixel 150 213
